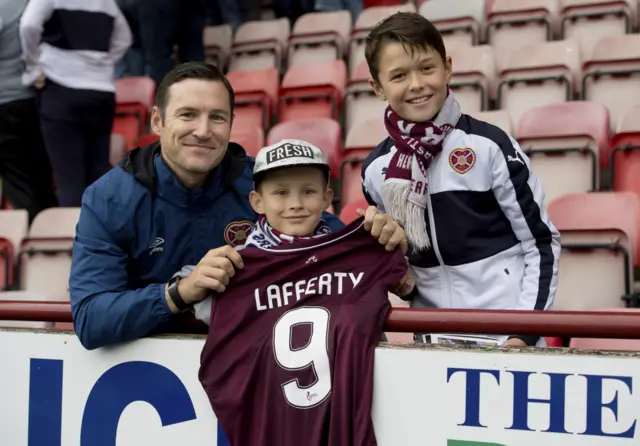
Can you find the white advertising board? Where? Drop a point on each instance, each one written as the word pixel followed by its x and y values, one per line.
pixel 55 393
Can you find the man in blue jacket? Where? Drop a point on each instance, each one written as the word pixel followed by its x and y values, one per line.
pixel 163 207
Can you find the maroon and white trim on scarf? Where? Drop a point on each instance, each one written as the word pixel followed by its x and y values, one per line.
pixel 404 191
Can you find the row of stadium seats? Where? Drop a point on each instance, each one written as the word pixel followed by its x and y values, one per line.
pixel 507 25
pixel 549 72
pixel 37 257
pixel 517 71
pixel 322 90
pixel 566 143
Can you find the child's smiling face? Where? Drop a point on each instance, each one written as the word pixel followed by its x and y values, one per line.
pixel 292 199
pixel 414 80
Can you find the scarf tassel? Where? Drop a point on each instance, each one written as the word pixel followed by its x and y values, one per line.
pixel 395 195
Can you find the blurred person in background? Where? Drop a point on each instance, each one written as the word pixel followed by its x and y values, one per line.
pixel 353 6
pixel 132 63
pixel 70 48
pixel 24 165
pixel 231 12
pixel 166 23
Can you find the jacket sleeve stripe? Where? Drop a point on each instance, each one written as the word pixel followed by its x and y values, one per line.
pixel 521 197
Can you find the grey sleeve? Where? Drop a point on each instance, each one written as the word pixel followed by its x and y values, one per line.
pixel 202 309
pixel 185 271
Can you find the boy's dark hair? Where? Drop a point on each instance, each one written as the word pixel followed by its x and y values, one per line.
pixel 408 28
pixel 259 177
pixel 191 70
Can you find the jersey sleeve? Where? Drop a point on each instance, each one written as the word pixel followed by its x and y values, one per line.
pixel 397 266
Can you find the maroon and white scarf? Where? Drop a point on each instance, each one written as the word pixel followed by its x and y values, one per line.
pixel 404 191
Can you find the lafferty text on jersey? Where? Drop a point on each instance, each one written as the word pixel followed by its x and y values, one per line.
pixel 328 284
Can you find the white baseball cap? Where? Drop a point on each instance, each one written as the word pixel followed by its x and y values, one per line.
pixel 289 153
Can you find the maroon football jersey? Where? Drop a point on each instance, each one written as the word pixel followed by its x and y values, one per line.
pixel 288 360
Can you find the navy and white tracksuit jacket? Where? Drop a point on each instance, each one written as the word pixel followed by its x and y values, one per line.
pixel 493 245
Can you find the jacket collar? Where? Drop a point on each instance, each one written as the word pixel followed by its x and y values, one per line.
pixel 148 168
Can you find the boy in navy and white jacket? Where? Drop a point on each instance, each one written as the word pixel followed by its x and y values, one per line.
pixel 462 188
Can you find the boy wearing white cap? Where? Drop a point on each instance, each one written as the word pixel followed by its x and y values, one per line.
pixel 291 191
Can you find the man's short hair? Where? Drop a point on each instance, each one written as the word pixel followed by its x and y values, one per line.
pixel 191 70
pixel 408 28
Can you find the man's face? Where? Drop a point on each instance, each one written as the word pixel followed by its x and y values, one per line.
pixel 194 133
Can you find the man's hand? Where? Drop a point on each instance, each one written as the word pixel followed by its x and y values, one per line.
pixel 384 229
pixel 406 284
pixel 212 273
pixel 514 342
pixel 40 82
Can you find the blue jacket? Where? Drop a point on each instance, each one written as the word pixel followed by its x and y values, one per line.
pixel 138 226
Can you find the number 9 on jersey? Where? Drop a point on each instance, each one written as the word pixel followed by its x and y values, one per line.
pixel 315 354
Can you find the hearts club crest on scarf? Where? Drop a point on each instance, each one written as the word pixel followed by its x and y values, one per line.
pixel 405 190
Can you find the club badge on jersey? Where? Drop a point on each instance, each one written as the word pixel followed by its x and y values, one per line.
pixel 236 233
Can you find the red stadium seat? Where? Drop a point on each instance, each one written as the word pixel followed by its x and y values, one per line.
pixel 374 3
pixel 250 138
pixel 360 101
pixel 512 25
pixel 625 162
pixel 324 133
pixel 459 25
pixel 629 121
pixel 367 19
pixel 361 140
pixel 538 74
pixel 366 135
pixel 588 21
pixel 312 91
pixel 128 126
pixel 600 235
pixel 319 37
pixel 135 97
pixel 146 139
pixel 611 75
pixel 117 149
pixel 256 95
pixel 348 212
pixel 499 118
pixel 136 90
pixel 217 42
pixel 553 342
pixel 351 176
pixel 14 225
pixel 474 76
pixel 45 254
pixel 566 143
pixel 260 44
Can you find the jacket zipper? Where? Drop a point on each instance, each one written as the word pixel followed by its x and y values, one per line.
pixel 434 243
